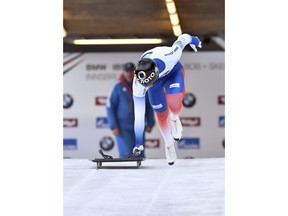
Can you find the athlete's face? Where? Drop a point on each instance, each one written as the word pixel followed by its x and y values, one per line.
pixel 129 75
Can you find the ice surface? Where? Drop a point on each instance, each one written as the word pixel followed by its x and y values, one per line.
pixel 190 187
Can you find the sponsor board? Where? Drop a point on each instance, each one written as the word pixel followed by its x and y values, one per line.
pixel 189 100
pixel 67 101
pixel 87 82
pixel 221 121
pixel 152 143
pixel 106 143
pixel 102 122
pixel 70 144
pixel 190 121
pixel 99 72
pixel 101 100
pixel 70 122
pixel 96 67
pixel 189 143
pixel 221 100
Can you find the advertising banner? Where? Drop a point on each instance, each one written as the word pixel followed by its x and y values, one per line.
pixel 88 79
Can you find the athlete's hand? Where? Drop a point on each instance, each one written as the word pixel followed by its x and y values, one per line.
pixel 148 129
pixel 195 43
pixel 116 131
pixel 137 150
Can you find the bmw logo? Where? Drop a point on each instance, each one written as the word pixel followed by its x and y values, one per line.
pixel 67 101
pixel 106 143
pixel 189 100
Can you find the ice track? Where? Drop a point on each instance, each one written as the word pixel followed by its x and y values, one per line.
pixel 191 187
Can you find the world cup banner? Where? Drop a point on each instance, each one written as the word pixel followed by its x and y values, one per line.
pixel 88 79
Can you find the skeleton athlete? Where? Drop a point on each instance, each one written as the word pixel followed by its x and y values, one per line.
pixel 160 74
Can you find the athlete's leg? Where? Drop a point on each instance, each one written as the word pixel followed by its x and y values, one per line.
pixel 175 90
pixel 168 90
pixel 158 102
pixel 163 122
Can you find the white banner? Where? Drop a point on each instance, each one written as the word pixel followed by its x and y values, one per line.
pixel 89 77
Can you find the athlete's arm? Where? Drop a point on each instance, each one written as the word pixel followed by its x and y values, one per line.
pixel 167 57
pixel 139 92
pixel 185 39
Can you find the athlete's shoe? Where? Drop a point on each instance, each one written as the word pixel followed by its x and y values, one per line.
pixel 137 150
pixel 176 129
pixel 171 155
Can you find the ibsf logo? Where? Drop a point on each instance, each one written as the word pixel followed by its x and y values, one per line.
pixel 189 143
pixel 101 100
pixel 152 143
pixel 221 100
pixel 190 121
pixel 70 122
pixel 67 101
pixel 221 121
pixel 102 122
pixel 189 100
pixel 106 143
